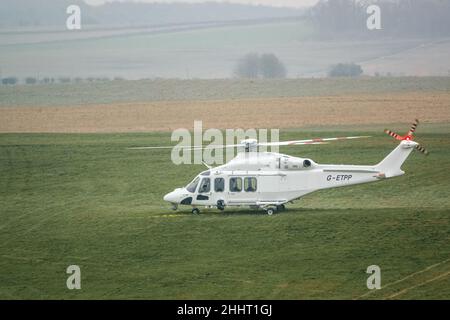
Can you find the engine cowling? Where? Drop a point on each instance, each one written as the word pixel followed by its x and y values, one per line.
pixel 291 163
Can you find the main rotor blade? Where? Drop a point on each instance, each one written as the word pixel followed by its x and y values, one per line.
pixel 268 144
pixel 308 141
pixel 142 148
pixel 188 148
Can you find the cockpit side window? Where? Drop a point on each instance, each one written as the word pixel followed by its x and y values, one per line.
pixel 219 184
pixel 235 184
pixel 205 186
pixel 250 184
pixel 193 185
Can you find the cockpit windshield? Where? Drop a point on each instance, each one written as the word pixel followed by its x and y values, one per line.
pixel 193 185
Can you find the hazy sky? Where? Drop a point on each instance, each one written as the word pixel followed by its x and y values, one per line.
pixel 277 3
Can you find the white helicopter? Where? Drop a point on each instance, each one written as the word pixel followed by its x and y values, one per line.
pixel 267 180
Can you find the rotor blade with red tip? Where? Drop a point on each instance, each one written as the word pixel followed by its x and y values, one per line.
pixel 393 134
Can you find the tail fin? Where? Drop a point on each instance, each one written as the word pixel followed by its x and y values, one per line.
pixel 391 165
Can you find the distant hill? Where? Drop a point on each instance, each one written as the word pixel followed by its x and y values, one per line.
pixel 29 13
pixel 399 18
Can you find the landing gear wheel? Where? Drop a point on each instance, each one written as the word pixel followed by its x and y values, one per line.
pixel 195 211
pixel 271 211
pixel 220 205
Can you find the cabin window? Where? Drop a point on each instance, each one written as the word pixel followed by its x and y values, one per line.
pixel 250 184
pixel 204 186
pixel 193 185
pixel 235 184
pixel 219 184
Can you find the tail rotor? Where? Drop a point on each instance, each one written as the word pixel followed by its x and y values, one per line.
pixel 393 134
pixel 422 149
pixel 413 127
pixel 409 136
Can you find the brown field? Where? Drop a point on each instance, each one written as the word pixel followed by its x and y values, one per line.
pixel 360 109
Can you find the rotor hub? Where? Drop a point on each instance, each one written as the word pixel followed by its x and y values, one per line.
pixel 250 145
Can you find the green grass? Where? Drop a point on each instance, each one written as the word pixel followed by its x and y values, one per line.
pixel 86 200
pixel 163 90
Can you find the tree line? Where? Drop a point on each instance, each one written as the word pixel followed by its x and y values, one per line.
pixel 400 18
pixel 12 80
pixel 268 66
pixel 254 65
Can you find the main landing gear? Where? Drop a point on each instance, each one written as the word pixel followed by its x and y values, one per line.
pixel 221 205
pixel 270 210
pixel 273 209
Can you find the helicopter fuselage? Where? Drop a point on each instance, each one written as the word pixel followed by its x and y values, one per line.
pixel 264 179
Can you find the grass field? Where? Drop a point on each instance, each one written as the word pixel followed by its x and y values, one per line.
pixel 85 199
pixel 75 94
pixel 299 112
pixel 165 105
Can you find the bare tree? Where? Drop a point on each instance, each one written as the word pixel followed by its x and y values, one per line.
pixel 248 66
pixel 10 80
pixel 30 80
pixel 271 67
pixel 254 66
pixel 345 70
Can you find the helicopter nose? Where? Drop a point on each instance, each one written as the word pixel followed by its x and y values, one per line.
pixel 171 197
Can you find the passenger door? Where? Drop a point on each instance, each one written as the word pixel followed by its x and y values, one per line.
pixel 243 190
pixel 204 190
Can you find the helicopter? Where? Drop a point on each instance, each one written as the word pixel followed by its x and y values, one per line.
pixel 268 180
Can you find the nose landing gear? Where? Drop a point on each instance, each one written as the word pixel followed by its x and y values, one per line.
pixel 195 211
